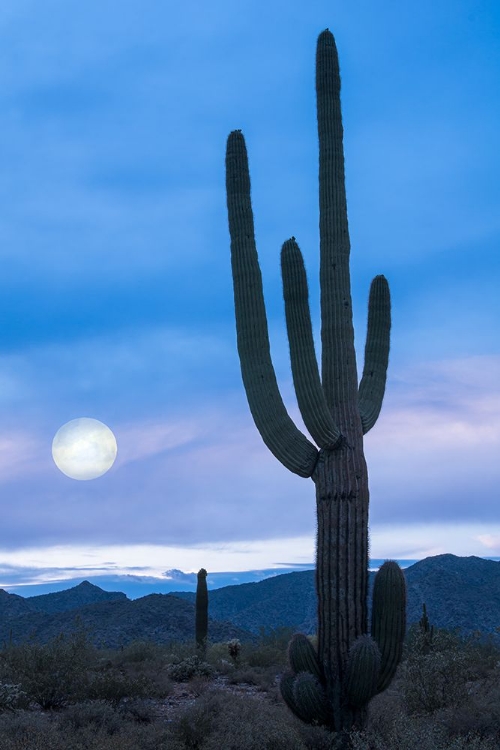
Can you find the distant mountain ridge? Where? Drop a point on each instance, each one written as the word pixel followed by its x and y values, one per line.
pixel 78 596
pixel 111 619
pixel 460 592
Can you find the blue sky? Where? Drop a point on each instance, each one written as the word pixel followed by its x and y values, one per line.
pixel 116 293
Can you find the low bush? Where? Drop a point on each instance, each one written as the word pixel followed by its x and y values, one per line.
pixel 12 697
pixel 112 686
pixel 53 674
pixel 139 652
pixel 192 666
pixel 221 720
pixel 438 677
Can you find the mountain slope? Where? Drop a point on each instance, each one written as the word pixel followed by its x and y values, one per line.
pixel 77 596
pixel 283 600
pixel 157 617
pixel 459 592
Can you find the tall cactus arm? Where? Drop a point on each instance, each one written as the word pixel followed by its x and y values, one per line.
pixel 308 389
pixel 278 431
pixel 389 619
pixel 372 386
pixel 339 375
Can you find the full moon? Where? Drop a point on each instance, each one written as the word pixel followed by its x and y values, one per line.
pixel 84 448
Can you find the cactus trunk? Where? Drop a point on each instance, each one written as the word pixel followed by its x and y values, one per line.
pixel 341 568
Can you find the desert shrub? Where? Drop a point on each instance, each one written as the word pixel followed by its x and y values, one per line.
pixel 192 666
pixel 245 675
pixel 178 650
pixel 96 713
pixel 408 734
pixel 480 714
pixel 199 684
pixel 12 697
pixel 218 657
pixel 138 710
pixel 220 720
pixel 264 678
pixel 51 675
pixel 139 652
pixel 437 678
pixel 39 731
pixel 25 730
pixel 112 685
pixel 271 651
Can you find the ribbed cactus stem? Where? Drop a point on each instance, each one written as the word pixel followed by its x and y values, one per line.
pixel 302 656
pixel 310 698
pixel 201 625
pixel 389 619
pixel 308 389
pixel 372 386
pixel 339 374
pixel 363 668
pixel 287 682
pixel 277 429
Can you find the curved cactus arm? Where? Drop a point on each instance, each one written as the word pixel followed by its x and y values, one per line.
pixel 310 698
pixel 286 688
pixel 302 656
pixel 278 431
pixel 363 669
pixel 372 386
pixel 389 619
pixel 308 389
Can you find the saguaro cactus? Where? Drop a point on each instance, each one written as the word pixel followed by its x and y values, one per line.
pixel 201 625
pixel 333 685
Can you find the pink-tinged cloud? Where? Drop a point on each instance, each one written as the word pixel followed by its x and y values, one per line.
pixel 434 452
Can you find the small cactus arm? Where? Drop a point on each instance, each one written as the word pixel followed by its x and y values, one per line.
pixel 334 684
pixel 201 613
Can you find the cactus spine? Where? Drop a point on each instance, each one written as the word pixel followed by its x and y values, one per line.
pixel 337 413
pixel 201 626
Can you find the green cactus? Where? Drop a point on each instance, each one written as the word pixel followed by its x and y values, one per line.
pixel 389 619
pixel 337 413
pixel 201 626
pixel 302 656
pixel 363 669
pixel 310 696
pixel 427 631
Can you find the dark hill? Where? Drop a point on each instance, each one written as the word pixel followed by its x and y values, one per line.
pixel 283 600
pixel 78 596
pixel 12 606
pixel 459 592
pixel 161 618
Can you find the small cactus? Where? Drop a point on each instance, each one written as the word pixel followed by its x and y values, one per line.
pixel 234 648
pixel 201 626
pixel 426 631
